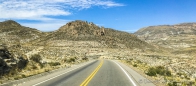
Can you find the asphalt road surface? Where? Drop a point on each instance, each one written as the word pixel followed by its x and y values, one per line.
pixel 94 73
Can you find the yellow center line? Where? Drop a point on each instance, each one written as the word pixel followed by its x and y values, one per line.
pixel 88 79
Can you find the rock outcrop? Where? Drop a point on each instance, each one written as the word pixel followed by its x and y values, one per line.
pixel 80 28
pixel 9 63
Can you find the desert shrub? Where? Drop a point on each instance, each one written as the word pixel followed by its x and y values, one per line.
pixel 153 71
pixel 168 73
pixel 127 61
pixel 170 84
pixel 160 70
pixel 135 65
pixel 22 63
pixel 16 78
pixel 174 84
pixel 85 58
pixel 54 63
pixel 36 58
pixel 23 76
pixel 34 66
pixel 68 60
pixel 138 61
pixel 12 72
pixel 65 60
pixel 46 70
pixel 71 60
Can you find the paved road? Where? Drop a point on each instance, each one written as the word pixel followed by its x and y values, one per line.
pixel 95 73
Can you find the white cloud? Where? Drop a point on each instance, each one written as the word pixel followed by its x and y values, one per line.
pixel 25 9
pixel 109 4
pixel 41 9
pixel 31 9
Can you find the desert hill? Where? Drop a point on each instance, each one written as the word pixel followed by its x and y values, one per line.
pixel 171 36
pixel 179 39
pixel 80 31
pixel 12 32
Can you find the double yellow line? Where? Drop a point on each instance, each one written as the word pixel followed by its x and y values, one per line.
pixel 88 79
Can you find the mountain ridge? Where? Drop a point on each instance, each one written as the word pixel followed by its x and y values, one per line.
pixel 87 31
pixel 177 36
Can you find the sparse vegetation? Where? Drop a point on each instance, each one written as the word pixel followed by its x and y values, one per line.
pixel 153 71
pixel 150 65
pixel 54 63
pixel 172 84
pixel 85 58
pixel 36 58
pixel 71 60
pixel 135 65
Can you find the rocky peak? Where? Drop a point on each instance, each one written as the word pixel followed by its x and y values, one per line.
pixel 78 24
pixel 9 23
pixel 79 27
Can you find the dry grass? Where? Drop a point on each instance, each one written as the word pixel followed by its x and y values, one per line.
pixel 170 80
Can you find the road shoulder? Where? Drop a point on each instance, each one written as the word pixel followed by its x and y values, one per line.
pixel 141 80
pixel 44 76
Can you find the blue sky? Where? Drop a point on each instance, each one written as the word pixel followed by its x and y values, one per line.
pixel 124 15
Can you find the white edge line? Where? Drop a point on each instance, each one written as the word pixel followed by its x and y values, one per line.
pixel 126 74
pixel 60 74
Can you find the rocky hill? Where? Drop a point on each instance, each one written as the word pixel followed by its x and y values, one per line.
pixel 171 36
pixel 82 31
pixel 180 41
pixel 12 32
pixel 13 38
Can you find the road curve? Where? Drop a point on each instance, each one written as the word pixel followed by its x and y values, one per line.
pixel 96 73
